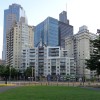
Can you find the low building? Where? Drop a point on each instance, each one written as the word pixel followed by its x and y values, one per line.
pixel 49 61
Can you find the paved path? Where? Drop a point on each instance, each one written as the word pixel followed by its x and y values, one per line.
pixel 5 88
pixel 92 88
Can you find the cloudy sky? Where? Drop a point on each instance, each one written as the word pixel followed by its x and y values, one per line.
pixel 80 12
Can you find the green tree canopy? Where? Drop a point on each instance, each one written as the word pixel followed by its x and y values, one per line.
pixel 28 72
pixel 94 62
pixel 6 71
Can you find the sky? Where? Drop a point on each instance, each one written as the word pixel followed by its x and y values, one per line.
pixel 79 12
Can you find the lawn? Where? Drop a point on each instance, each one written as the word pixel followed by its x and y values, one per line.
pixel 50 93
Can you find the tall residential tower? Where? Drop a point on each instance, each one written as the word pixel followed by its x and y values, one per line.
pixel 19 37
pixel 11 15
pixel 80 47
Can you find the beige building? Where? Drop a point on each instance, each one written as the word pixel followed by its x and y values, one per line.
pixel 31 36
pixel 11 15
pixel 79 46
pixel 19 38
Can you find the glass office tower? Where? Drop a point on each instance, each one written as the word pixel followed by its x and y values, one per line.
pixel 47 31
pixel 63 17
pixel 11 15
pixel 65 29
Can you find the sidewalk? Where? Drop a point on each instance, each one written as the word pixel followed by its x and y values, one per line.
pixel 5 88
pixel 92 88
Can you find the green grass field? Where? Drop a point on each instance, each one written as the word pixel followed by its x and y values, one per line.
pixel 50 93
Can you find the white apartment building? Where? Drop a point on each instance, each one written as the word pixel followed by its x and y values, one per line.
pixel 49 61
pixel 18 39
pixel 79 46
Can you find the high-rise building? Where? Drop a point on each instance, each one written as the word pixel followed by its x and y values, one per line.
pixel 11 15
pixel 80 47
pixel 63 17
pixel 83 29
pixel 31 36
pixel 53 32
pixel 65 29
pixel 47 31
pixel 19 37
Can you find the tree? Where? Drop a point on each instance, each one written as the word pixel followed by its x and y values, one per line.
pixel 13 72
pixel 8 71
pixel 28 72
pixel 2 70
pixel 94 62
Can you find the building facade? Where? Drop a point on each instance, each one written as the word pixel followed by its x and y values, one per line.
pixel 65 29
pixel 18 39
pixel 53 32
pixel 47 31
pixel 63 17
pixel 80 47
pixel 11 15
pixel 49 61
pixel 31 36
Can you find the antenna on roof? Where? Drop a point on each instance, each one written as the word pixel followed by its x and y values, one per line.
pixel 66 7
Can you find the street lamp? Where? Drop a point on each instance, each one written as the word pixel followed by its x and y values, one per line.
pixel 32 73
pixel 84 71
pixel 10 73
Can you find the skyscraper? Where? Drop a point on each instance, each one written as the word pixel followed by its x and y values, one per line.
pixel 80 47
pixel 20 37
pixel 65 29
pixel 47 31
pixel 63 17
pixel 11 15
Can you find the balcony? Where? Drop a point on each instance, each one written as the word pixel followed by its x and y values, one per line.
pixel 62 71
pixel 53 64
pixel 53 71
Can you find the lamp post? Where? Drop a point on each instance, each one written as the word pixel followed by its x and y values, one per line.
pixel 10 73
pixel 83 75
pixel 32 73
